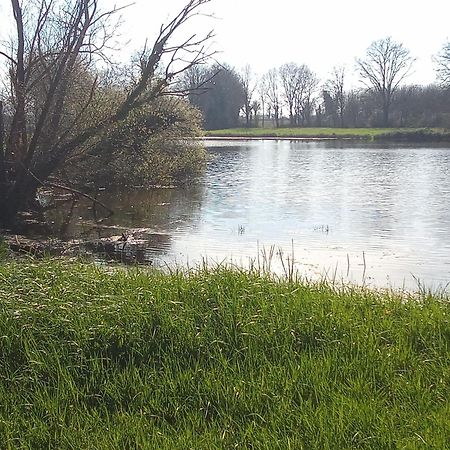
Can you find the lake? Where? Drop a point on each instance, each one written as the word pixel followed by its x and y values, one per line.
pixel 373 214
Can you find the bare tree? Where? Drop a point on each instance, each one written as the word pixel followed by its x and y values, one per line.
pixel 61 41
pixel 382 70
pixel 335 87
pixel 290 76
pixel 442 61
pixel 304 96
pixel 262 91
pixel 248 85
pixel 273 94
pixel 195 79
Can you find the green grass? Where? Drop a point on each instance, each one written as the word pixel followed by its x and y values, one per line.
pixel 357 133
pixel 218 359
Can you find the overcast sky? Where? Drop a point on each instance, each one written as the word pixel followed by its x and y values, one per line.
pixel 321 34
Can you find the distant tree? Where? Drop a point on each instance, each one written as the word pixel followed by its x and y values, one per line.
pixel 353 110
pixel 335 88
pixel 262 91
pixel 194 81
pixel 404 109
pixel 290 77
pixel 442 61
pixel 421 106
pixel 256 106
pixel 273 94
pixel 304 98
pixel 319 115
pixel 217 92
pixel 248 87
pixel 329 108
pixel 382 70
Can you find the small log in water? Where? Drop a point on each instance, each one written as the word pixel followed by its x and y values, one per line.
pixel 123 248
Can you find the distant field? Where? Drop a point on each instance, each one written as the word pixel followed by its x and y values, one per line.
pixel 354 133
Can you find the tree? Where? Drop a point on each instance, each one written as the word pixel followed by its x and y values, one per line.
pixel 335 87
pixel 304 101
pixel 148 148
pixel 442 61
pixel 273 94
pixel 421 106
pixel 217 92
pixel 256 106
pixel 290 77
pixel 384 67
pixel 61 41
pixel 248 87
pixel 262 91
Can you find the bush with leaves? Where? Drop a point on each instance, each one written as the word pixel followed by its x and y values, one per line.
pixel 156 145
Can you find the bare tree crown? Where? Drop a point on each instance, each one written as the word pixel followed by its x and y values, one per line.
pixel 385 65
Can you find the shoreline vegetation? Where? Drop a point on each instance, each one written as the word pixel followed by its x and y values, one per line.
pixel 216 358
pixel 371 134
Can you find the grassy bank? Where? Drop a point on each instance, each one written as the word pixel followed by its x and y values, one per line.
pixel 412 134
pixel 218 359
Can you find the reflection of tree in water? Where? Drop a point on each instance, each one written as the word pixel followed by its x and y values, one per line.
pixel 141 226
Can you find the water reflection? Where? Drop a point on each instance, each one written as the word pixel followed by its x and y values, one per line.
pixel 333 200
pixel 142 227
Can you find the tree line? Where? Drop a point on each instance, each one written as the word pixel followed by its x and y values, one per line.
pixel 293 95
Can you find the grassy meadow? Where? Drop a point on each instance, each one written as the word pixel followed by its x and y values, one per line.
pixel 216 359
pixel 348 133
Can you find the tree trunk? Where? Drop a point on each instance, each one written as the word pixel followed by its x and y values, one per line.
pixel 2 148
pixel 16 198
pixel 341 116
pixel 386 97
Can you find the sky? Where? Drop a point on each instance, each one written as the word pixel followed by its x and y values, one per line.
pixel 321 34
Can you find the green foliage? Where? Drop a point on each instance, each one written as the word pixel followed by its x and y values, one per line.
pixel 220 97
pixel 216 359
pixel 156 145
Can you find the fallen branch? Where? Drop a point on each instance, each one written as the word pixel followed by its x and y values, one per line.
pixel 76 191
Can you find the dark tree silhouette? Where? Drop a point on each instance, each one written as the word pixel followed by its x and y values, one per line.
pixel 382 70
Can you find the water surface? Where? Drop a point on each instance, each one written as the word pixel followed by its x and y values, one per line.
pixel 371 213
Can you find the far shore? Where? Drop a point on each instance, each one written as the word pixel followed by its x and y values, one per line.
pixel 277 138
pixel 311 134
